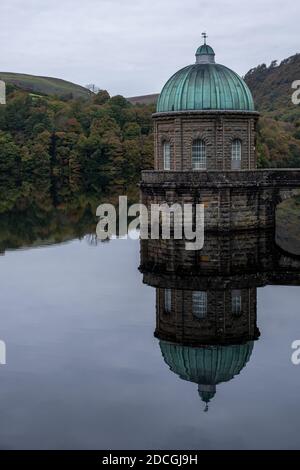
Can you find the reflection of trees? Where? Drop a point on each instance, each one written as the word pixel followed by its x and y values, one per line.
pixel 92 239
pixel 29 216
pixel 37 214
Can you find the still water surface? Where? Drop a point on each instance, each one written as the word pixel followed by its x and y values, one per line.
pixel 84 370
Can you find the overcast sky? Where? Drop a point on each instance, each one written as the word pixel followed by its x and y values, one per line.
pixel 132 47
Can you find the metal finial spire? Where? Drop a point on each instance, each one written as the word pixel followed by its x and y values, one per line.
pixel 204 35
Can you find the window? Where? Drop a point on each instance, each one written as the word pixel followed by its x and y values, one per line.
pixel 168 300
pixel 236 302
pixel 200 304
pixel 198 155
pixel 236 154
pixel 167 155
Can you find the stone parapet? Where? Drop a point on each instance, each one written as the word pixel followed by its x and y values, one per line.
pixel 233 200
pixel 233 178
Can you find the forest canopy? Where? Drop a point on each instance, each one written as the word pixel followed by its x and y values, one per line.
pixel 77 144
pixel 101 143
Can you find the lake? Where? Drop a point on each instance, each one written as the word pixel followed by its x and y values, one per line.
pixel 103 350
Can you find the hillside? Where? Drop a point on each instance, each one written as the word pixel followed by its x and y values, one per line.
pixel 144 99
pixel 278 142
pixel 45 85
pixel 272 86
pixel 66 146
pixel 278 139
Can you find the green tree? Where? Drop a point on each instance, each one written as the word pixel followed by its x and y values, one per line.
pixel 9 160
pixel 101 97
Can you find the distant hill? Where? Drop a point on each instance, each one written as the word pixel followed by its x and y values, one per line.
pixel 278 143
pixel 45 85
pixel 272 86
pixel 144 99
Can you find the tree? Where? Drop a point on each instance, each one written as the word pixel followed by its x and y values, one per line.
pixel 101 97
pixel 9 160
pixel 102 155
pixel 36 160
pixel 92 88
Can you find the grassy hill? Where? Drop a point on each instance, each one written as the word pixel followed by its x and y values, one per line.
pixel 45 85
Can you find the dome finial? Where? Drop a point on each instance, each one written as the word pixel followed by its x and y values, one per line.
pixel 205 54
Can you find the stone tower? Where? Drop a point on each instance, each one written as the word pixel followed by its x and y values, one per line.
pixel 205 119
pixel 204 135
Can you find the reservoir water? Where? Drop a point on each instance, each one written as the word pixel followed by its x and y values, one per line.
pixel 84 369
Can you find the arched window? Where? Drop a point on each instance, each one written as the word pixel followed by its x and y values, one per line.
pixel 198 155
pixel 236 154
pixel 168 301
pixel 167 155
pixel 236 302
pixel 200 304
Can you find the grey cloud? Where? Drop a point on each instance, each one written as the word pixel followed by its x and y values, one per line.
pixel 132 47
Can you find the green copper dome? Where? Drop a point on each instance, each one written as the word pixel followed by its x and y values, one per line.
pixel 205 49
pixel 207 366
pixel 205 86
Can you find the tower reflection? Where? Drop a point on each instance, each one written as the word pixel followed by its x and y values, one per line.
pixel 206 302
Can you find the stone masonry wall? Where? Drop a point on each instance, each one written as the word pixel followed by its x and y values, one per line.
pixel 233 200
pixel 218 130
pixel 219 325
